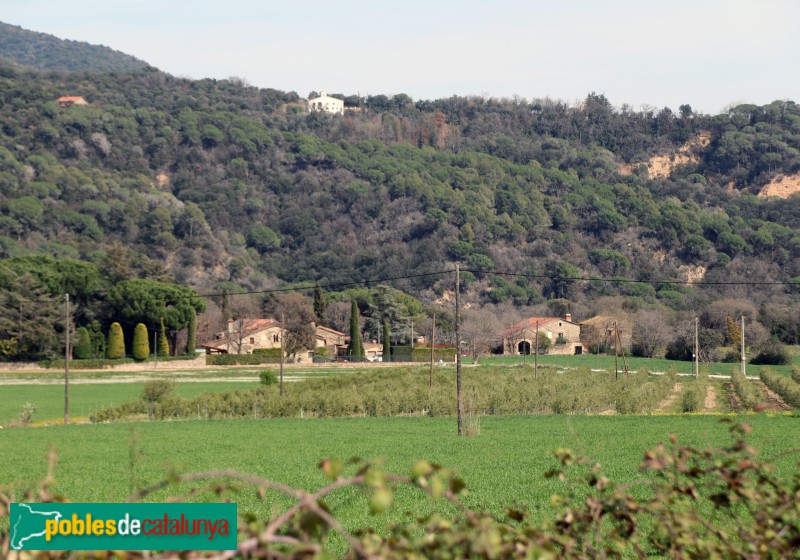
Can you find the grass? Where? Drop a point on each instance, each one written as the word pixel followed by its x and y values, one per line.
pixel 504 465
pixel 87 398
pixel 652 364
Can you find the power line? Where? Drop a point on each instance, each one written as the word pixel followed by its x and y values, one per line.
pixel 388 279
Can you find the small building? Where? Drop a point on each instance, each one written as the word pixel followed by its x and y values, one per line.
pixel 326 104
pixel 68 101
pixel 243 336
pixel 520 338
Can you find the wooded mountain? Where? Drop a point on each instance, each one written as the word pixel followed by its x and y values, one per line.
pixel 216 184
pixel 42 51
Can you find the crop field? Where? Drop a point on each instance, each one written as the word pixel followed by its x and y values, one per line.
pixel 85 398
pixel 387 414
pixel 503 465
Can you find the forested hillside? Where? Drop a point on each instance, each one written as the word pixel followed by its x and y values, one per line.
pixel 46 52
pixel 217 184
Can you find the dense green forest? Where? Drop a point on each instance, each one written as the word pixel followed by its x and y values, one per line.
pixel 47 52
pixel 218 185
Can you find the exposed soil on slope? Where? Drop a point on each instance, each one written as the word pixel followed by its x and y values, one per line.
pixel 782 186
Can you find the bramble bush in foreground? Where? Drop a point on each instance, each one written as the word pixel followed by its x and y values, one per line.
pixel 698 503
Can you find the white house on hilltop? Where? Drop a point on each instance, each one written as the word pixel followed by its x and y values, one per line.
pixel 327 104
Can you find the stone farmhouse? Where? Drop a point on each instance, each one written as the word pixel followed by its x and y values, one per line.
pixel 326 104
pixel 564 335
pixel 245 335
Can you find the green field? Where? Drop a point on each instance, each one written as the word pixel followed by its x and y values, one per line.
pixel 502 465
pixel 86 398
pixel 651 364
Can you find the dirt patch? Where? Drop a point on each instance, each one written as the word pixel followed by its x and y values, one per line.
pixel 773 402
pixel 663 165
pixel 782 186
pixel 693 274
pixel 667 403
pixel 711 398
pixel 733 398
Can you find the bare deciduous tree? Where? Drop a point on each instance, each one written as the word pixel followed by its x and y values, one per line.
pixel 651 332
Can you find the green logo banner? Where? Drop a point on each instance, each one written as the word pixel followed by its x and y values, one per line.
pixel 167 526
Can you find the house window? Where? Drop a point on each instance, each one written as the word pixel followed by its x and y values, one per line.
pixel 275 338
pixel 252 340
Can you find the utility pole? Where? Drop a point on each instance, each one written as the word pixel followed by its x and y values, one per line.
pixel 616 350
pixel 283 334
pixel 697 346
pixel 433 343
pixel 744 367
pixel 66 360
pixel 155 348
pixel 458 355
pixel 536 353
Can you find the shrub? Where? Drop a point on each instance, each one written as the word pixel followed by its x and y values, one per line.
pixel 157 390
pixel 772 353
pixel 163 343
pixel 235 360
pixel 267 377
pixel 141 343
pixel 26 414
pixel 116 342
pixel 786 388
pixel 83 344
pixel 749 395
pixel 693 395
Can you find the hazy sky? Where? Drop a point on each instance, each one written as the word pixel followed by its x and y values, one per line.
pixel 708 53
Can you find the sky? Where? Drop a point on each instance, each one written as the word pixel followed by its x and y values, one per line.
pixel 709 54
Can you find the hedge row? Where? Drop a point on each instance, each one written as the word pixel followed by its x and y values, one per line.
pixel 787 389
pixel 748 393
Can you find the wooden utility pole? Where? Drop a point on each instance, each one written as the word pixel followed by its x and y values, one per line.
pixel 616 350
pixel 66 360
pixel 433 343
pixel 458 356
pixel 536 353
pixel 697 346
pixel 744 367
pixel 283 333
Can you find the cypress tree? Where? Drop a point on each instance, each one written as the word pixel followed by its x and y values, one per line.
pixel 163 342
pixel 141 343
pixel 319 304
pixel 116 342
pixel 356 349
pixel 83 344
pixel 386 342
pixel 191 342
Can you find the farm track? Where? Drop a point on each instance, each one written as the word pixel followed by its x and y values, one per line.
pixel 733 398
pixel 667 403
pixel 711 398
pixel 773 401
